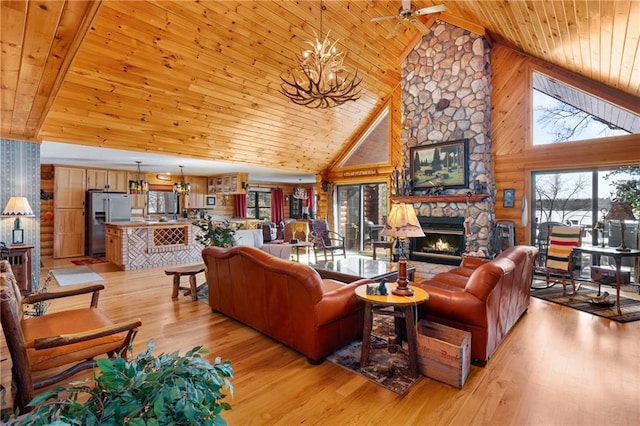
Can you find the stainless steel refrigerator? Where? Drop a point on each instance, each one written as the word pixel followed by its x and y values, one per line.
pixel 104 207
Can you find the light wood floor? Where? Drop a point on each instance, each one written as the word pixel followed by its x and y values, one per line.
pixel 558 366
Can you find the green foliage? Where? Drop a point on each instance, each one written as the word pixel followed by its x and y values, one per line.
pixel 146 390
pixel 217 234
pixel 627 187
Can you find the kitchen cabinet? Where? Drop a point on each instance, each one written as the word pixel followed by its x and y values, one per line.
pixel 68 213
pixel 117 181
pixel 234 183
pixel 197 197
pixel 107 180
pixel 97 179
pixel 69 188
pixel 68 233
pixel 113 245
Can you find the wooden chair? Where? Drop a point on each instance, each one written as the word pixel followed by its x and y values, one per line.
pixel 40 347
pixel 542 239
pixel 297 229
pixel 562 240
pixel 325 240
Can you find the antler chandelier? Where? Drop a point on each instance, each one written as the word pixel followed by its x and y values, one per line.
pixel 300 193
pixel 321 80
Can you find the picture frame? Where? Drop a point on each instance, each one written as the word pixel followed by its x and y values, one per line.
pixel 508 198
pixel 440 165
pixel 17 236
pixel 211 200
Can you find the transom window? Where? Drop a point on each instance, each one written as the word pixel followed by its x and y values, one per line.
pixel 563 113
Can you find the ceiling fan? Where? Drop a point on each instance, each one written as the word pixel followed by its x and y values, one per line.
pixel 409 13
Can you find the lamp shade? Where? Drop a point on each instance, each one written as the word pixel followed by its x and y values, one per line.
pixel 402 222
pixel 620 211
pixel 17 206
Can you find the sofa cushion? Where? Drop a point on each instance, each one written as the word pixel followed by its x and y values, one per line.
pixel 248 237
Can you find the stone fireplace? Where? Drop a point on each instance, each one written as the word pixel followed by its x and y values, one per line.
pixel 446 96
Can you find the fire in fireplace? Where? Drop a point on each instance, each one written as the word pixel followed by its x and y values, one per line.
pixel 443 241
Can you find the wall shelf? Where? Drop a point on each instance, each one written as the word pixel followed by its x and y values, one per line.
pixel 457 198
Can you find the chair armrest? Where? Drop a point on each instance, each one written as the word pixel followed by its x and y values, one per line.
pixel 68 339
pixel 335 235
pixel 336 303
pixel 41 297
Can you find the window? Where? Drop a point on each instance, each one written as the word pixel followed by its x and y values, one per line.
pixel 259 204
pixel 373 147
pixel 162 202
pixel 562 113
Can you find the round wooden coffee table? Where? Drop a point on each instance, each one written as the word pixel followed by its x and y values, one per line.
pixel 404 308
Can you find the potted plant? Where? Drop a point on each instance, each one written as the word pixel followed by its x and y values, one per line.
pixel 215 233
pixel 146 390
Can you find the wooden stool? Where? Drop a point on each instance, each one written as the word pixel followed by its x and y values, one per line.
pixel 383 244
pixel 191 272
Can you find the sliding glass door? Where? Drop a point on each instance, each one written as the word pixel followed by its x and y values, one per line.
pixel 361 213
pixel 577 198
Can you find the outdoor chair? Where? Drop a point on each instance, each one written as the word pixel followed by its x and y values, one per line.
pixel 42 346
pixel 326 240
pixel 556 268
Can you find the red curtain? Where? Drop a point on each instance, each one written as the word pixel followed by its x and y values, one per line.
pixel 311 201
pixel 277 205
pixel 240 208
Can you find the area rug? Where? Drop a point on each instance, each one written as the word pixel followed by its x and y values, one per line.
pixel 384 368
pixel 630 307
pixel 75 275
pixel 89 261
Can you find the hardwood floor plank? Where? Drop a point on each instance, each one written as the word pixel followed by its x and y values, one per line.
pixel 558 366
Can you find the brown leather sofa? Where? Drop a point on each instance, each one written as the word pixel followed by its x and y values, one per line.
pixel 484 297
pixel 285 300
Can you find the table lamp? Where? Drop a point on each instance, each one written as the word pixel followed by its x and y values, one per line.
pixel 402 223
pixel 621 211
pixel 17 207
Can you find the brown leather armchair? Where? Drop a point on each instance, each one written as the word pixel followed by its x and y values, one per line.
pixel 484 297
pixel 68 340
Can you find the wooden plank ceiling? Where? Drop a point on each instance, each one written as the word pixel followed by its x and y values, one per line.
pixel 202 79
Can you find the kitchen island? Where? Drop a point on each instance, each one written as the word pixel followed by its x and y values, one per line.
pixel 150 244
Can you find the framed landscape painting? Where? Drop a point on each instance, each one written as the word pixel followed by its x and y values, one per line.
pixel 443 165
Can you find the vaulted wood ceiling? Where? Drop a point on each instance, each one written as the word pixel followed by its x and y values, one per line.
pixel 202 79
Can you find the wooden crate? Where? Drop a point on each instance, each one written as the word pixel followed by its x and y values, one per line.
pixel 444 353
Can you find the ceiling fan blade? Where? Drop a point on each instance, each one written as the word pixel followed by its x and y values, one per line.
pixel 431 9
pixel 422 27
pixel 383 18
pixel 394 30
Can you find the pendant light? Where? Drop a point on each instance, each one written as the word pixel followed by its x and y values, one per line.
pixel 138 186
pixel 182 187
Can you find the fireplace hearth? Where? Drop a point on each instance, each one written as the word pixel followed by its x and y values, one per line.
pixel 443 241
